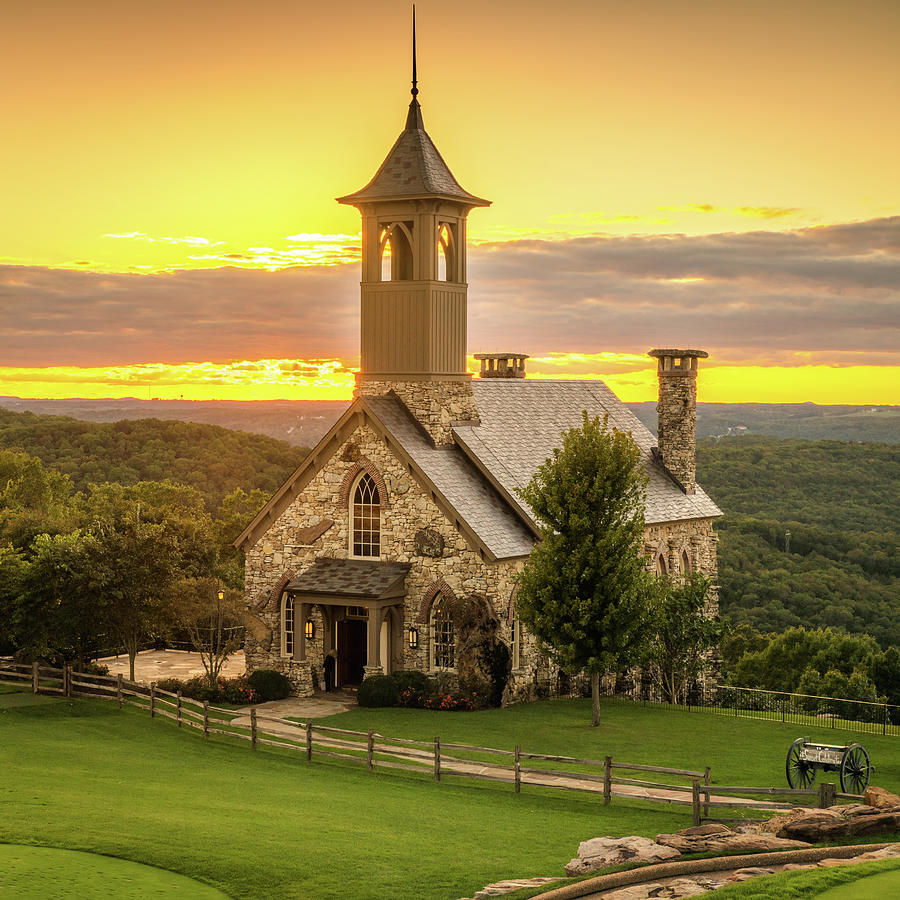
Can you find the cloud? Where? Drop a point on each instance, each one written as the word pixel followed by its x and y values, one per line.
pixel 756 212
pixel 191 240
pixel 827 295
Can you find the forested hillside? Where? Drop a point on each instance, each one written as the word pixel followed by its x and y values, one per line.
pixel 840 563
pixel 213 460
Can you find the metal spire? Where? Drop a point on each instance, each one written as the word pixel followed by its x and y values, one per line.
pixel 415 89
pixel 414 117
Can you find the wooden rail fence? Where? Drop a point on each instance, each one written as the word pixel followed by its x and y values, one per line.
pixel 425 757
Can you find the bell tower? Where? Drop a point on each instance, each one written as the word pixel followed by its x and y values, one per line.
pixel 413 288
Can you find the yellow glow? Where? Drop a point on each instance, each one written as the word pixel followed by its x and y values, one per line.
pixel 631 376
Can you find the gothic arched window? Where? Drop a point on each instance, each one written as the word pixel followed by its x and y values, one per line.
pixel 396 252
pixel 661 567
pixel 443 639
pixel 446 253
pixel 287 625
pixel 685 562
pixel 365 518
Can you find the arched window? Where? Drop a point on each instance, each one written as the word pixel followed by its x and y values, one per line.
pixel 661 567
pixel 443 639
pixel 446 253
pixel 287 625
pixel 365 517
pixel 396 252
pixel 685 562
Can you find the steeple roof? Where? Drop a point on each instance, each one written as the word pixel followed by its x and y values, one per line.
pixel 413 168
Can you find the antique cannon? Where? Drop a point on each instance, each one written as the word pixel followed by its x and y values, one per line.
pixel 805 757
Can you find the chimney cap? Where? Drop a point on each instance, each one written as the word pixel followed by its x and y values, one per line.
pixel 658 354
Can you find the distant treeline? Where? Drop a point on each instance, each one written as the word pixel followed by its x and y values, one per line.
pixel 214 461
pixel 809 536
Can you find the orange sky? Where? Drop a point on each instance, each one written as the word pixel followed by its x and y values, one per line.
pixel 627 140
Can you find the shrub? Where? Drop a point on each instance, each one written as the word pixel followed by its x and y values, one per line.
pixel 378 690
pixel 454 701
pixel 269 684
pixel 95 668
pixel 412 685
pixel 228 690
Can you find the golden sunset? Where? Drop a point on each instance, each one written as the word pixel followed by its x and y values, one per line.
pixel 660 174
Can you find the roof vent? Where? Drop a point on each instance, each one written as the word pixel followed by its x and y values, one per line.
pixel 502 365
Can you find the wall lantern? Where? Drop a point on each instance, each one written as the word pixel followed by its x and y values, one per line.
pixel 310 629
pixel 221 595
pixel 413 638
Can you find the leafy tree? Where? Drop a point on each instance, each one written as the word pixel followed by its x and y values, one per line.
pixel 886 674
pixel 682 634
pixel 213 618
pixel 583 591
pixel 12 573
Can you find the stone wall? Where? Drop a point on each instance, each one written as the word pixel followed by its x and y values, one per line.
pixel 435 404
pixel 413 530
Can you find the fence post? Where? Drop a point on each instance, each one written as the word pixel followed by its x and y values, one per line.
pixel 206 718
pixel 437 759
pixel 695 796
pixel 607 780
pixel 67 680
pixel 518 769
pixel 826 794
pixel 370 750
pixel 884 717
pixel 308 741
pixel 253 737
pixel 152 699
pixel 119 689
pixel 35 677
pixel 178 708
pixel 706 793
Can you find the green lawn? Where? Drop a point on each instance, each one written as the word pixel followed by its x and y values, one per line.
pixel 36 873
pixel 83 775
pixel 738 751
pixel 866 881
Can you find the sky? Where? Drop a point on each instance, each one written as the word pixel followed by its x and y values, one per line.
pixel 684 173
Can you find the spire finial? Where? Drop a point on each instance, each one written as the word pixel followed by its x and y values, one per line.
pixel 415 88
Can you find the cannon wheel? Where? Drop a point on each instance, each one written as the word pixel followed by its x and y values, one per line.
pixel 854 769
pixel 800 773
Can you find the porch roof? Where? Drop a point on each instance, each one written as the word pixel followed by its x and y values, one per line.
pixel 351 579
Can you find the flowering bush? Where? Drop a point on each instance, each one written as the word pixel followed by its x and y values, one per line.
pixel 451 701
pixel 229 690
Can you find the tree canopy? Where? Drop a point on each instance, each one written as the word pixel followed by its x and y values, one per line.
pixel 583 590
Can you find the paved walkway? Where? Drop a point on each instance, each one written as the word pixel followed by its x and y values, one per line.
pixel 153 665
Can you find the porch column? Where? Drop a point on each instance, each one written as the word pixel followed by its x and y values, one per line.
pixel 301 627
pixel 373 656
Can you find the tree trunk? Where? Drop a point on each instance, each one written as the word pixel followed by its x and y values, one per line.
pixel 132 653
pixel 595 698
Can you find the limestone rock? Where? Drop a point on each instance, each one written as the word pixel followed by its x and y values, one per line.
pixel 635 892
pixel 607 851
pixel 350 452
pixel 750 872
pixel 683 887
pixel 398 485
pixel 810 825
pixel 881 823
pixel 720 838
pixel 880 798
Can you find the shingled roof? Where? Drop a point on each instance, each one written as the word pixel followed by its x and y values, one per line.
pixel 364 579
pixel 413 168
pixel 466 490
pixel 522 421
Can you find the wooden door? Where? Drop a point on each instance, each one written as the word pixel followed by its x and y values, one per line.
pixel 351 651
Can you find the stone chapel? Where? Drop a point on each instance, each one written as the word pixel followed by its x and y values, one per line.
pixel 410 499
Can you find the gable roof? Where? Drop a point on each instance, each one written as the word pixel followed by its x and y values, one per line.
pixel 413 168
pixel 522 421
pixel 465 496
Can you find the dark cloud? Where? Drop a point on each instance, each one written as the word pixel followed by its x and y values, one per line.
pixel 830 290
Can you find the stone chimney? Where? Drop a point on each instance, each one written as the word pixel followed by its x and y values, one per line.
pixel 502 365
pixel 677 413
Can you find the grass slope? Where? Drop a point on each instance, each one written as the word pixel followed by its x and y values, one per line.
pixel 86 776
pixel 738 750
pixel 36 873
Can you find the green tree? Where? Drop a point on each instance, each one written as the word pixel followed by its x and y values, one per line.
pixel 682 634
pixel 583 591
